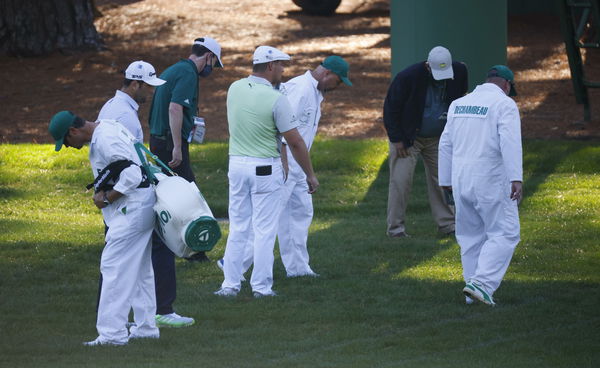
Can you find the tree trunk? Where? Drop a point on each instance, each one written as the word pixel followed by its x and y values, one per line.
pixel 39 27
pixel 318 7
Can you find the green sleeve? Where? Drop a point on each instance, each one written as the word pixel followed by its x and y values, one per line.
pixel 184 91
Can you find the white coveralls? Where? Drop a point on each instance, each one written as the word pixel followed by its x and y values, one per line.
pixel 126 265
pixel 297 213
pixel 480 155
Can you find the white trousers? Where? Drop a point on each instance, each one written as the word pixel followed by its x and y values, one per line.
pixel 254 207
pixel 487 224
pixel 127 275
pixel 294 221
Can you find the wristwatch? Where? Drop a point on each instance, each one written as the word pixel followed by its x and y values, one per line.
pixel 105 199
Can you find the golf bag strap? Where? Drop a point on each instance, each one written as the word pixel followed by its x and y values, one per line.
pixel 142 151
pixel 107 176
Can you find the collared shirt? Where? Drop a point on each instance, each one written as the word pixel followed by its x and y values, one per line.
pixel 123 109
pixel 282 111
pixel 182 89
pixel 484 132
pixel 257 114
pixel 305 99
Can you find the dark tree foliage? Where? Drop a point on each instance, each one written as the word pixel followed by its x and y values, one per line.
pixel 318 7
pixel 39 27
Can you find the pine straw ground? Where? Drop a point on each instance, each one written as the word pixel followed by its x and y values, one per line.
pixel 160 31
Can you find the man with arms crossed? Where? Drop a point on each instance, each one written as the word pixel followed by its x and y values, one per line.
pixel 257 114
pixel 481 163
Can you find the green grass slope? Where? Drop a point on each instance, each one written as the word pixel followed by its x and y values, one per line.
pixel 379 302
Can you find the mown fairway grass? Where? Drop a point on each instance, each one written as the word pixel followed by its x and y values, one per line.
pixel 379 302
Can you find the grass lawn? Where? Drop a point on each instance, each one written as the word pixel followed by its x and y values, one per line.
pixel 379 302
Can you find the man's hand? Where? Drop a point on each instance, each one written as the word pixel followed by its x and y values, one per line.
pixel 313 184
pixel 516 191
pixel 177 157
pixel 401 150
pixel 98 199
pixel 111 196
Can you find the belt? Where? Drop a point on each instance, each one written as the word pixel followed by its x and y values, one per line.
pixel 161 137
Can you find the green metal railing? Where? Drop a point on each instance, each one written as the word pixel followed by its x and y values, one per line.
pixel 580 26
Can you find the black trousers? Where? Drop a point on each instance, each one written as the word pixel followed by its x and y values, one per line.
pixel 163 259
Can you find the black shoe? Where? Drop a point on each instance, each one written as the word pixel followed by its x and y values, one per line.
pixel 198 257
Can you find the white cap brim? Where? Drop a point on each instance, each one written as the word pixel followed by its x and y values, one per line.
pixel 155 81
pixel 440 74
pixel 213 46
pixel 267 54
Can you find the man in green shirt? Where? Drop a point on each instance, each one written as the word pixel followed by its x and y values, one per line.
pixel 257 114
pixel 174 106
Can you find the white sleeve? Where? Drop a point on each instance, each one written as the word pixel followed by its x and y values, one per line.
pixel 283 115
pixel 129 179
pixel 509 131
pixel 445 154
pixel 115 150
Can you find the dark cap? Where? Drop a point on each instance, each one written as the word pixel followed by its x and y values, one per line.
pixel 502 71
pixel 339 66
pixel 59 126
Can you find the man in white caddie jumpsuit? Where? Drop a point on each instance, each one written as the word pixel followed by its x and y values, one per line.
pixel 480 161
pixel 123 108
pixel 305 94
pixel 257 114
pixel 126 266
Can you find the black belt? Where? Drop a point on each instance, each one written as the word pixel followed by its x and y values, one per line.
pixel 161 137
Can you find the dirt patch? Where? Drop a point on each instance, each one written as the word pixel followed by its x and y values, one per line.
pixel 160 31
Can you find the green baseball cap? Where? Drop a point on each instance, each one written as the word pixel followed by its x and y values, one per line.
pixel 59 126
pixel 339 66
pixel 504 72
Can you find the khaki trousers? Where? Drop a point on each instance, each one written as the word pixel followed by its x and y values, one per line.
pixel 401 178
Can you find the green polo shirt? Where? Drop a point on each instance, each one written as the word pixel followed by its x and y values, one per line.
pixel 181 88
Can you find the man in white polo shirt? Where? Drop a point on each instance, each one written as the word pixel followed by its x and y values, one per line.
pixel 257 114
pixel 123 107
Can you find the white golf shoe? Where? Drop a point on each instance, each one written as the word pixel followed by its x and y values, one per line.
pixel 99 341
pixel 173 320
pixel 227 292
pixel 476 290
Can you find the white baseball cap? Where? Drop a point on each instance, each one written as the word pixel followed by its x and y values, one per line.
pixel 212 45
pixel 440 62
pixel 143 71
pixel 265 54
